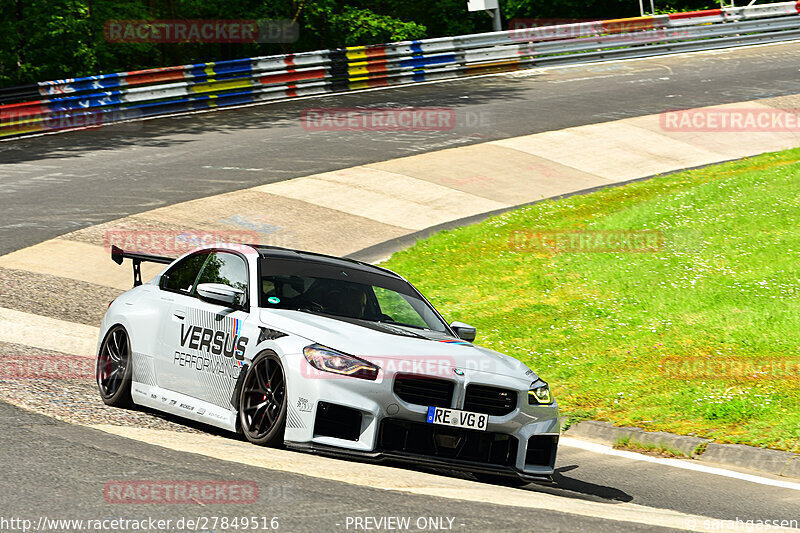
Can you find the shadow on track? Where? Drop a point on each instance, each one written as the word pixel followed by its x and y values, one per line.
pixel 285 117
pixel 575 488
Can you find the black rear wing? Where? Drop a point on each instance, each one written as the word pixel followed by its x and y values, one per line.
pixel 118 255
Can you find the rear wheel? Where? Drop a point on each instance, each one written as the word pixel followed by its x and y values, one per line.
pixel 113 370
pixel 262 401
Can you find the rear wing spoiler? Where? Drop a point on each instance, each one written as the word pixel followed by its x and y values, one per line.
pixel 118 255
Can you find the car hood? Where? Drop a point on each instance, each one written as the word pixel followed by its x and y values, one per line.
pixel 386 345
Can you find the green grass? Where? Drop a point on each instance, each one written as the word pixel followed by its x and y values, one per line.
pixel 627 443
pixel 609 330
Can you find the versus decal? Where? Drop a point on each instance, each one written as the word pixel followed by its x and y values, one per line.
pixel 215 342
pixel 208 365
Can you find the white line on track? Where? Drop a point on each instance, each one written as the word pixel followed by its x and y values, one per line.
pixel 677 463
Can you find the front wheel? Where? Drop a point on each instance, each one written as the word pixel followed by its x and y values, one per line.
pixel 262 401
pixel 113 371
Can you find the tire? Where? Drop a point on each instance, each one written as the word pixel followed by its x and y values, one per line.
pixel 113 369
pixel 262 401
pixel 496 479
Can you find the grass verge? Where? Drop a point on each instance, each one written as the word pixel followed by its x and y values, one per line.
pixel 691 325
pixel 626 443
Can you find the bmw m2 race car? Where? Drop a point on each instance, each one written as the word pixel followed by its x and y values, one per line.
pixel 322 354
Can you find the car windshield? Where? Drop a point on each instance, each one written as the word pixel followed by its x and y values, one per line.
pixel 346 293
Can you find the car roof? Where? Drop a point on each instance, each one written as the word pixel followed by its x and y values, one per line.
pixel 276 252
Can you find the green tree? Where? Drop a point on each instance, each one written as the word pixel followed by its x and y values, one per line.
pixel 53 39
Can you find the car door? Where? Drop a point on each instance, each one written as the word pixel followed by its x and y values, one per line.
pixel 209 341
pixel 175 296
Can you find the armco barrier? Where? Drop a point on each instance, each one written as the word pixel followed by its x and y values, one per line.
pixel 107 98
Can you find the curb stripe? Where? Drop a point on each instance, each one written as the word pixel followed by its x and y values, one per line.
pixel 47 333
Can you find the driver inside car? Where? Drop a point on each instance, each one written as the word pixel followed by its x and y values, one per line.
pixel 349 301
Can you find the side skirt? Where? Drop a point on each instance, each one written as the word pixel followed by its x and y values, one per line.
pixel 182 405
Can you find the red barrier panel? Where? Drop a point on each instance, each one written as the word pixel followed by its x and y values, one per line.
pixel 693 14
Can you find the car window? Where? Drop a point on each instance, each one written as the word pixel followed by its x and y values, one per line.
pixel 396 307
pixel 181 277
pixel 226 268
pixel 349 299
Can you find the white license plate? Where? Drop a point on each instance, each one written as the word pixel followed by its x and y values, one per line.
pixel 457 419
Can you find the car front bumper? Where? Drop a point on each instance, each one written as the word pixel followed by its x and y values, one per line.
pixel 365 419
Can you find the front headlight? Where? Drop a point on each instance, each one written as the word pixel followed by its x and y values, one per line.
pixel 329 360
pixel 539 394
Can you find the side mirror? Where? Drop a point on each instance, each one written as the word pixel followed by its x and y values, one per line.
pixel 464 331
pixel 217 293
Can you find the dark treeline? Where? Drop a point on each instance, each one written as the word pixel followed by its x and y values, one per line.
pixel 52 39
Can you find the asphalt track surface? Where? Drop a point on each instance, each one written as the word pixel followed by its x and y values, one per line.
pixel 53 184
pixel 33 485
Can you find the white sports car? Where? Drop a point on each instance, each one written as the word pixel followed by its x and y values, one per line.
pixel 322 354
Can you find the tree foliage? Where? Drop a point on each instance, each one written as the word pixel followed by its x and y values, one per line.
pixel 54 39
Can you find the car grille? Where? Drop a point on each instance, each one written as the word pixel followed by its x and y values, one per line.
pixel 422 390
pixel 490 400
pixel 441 442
